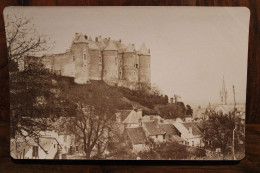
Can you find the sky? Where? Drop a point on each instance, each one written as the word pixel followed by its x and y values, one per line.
pixel 192 48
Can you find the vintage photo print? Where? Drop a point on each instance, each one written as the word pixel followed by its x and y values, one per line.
pixel 127 83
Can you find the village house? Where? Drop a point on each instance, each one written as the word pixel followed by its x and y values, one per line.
pixel 45 148
pixel 135 136
pixel 190 133
pixel 171 133
pixel 128 118
pixel 152 131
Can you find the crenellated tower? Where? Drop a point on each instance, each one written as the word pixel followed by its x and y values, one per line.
pixel 144 66
pixel 110 63
pixel 131 64
pixel 80 56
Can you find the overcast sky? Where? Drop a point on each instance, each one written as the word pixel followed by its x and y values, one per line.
pixel 192 48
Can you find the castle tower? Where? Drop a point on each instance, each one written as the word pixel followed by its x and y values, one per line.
pixel 95 58
pixel 131 64
pixel 110 63
pixel 80 56
pixel 223 93
pixel 144 66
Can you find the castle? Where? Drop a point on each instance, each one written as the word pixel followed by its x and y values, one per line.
pixel 103 59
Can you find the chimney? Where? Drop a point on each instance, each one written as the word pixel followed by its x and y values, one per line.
pixel 171 100
pixel 190 130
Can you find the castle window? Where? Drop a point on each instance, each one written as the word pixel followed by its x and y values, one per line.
pixel 100 60
pixel 73 58
pixel 84 57
pixel 136 65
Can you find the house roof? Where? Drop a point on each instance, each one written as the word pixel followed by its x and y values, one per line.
pixel 152 128
pixel 143 50
pixel 123 114
pixel 132 118
pixel 195 130
pixel 199 113
pixel 151 117
pixel 168 129
pixel 111 46
pixel 183 128
pixel 136 135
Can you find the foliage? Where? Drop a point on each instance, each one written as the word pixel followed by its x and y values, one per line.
pixel 145 99
pixel 31 99
pixel 173 110
pixel 166 151
pixel 218 133
pixel 189 110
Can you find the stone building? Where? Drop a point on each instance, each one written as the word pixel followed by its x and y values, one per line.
pixel 103 59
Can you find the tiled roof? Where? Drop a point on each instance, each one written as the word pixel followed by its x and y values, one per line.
pixel 199 113
pixel 168 129
pixel 123 114
pixel 143 50
pixel 136 135
pixel 195 130
pixel 132 118
pixel 152 128
pixel 111 46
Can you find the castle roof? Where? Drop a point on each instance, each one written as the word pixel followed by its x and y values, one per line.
pixel 130 48
pixel 80 39
pixel 143 50
pixel 111 46
pixel 93 46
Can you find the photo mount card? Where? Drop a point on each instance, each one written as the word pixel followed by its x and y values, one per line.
pixel 127 83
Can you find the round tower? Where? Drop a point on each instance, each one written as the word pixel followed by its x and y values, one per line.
pixel 144 66
pixel 95 69
pixel 80 56
pixel 131 64
pixel 110 63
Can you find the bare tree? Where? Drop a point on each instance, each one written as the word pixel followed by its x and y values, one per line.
pixel 92 126
pixel 23 39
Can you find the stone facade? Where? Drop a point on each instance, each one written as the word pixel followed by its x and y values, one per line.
pixel 103 59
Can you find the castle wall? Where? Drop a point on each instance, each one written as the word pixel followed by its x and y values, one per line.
pixel 130 67
pixel 82 60
pixel 144 69
pixel 95 71
pixel 110 66
pixel 120 66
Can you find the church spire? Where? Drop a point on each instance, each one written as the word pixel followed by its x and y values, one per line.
pixel 223 93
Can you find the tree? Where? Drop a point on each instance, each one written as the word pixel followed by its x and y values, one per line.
pixel 218 133
pixel 23 40
pixel 189 110
pixel 93 121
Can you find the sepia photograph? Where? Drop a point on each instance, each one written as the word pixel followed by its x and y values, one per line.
pixel 127 83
